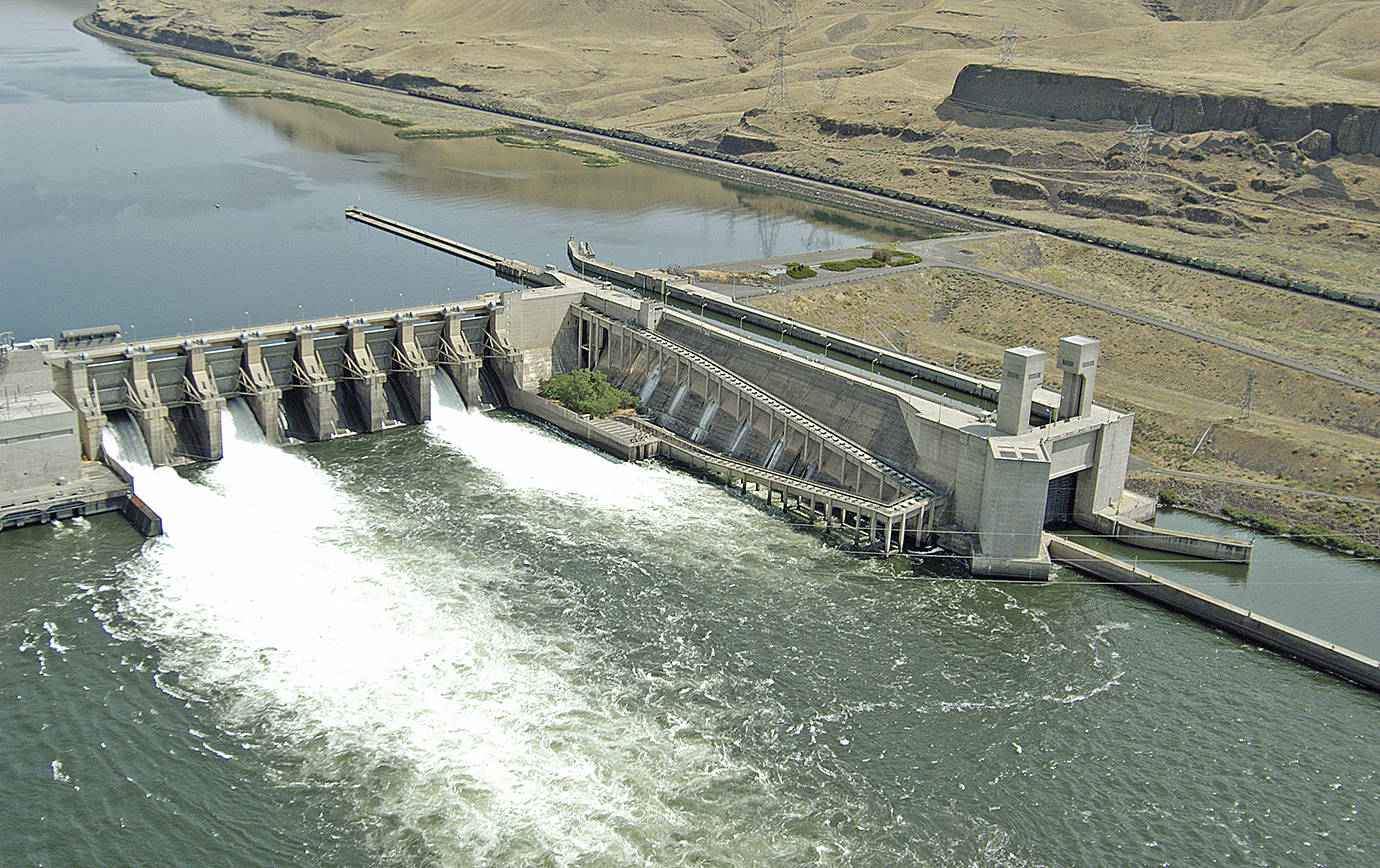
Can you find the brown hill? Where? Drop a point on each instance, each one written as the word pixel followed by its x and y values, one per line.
pixel 657 62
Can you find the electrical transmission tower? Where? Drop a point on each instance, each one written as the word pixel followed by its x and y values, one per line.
pixel 1139 135
pixel 1007 42
pixel 829 80
pixel 789 8
pixel 1248 398
pixel 777 95
pixel 757 16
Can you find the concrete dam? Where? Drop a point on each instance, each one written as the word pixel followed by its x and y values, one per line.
pixel 882 451
pixel 895 466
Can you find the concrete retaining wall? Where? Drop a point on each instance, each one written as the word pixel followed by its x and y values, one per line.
pixel 142 516
pixel 1178 542
pixel 983 391
pixel 1248 625
pixel 572 423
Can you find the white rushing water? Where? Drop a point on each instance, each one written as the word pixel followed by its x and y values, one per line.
pixel 393 673
pixel 528 459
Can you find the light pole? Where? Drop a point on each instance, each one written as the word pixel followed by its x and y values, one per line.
pixel 246 320
pixel 193 322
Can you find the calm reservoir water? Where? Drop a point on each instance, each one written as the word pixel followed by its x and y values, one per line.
pixel 476 643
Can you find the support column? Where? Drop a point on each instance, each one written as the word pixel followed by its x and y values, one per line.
pixel 263 395
pixel 318 390
pixel 1022 369
pixel 459 359
pixel 365 378
pixel 148 409
pixel 411 370
pixel 90 420
pixel 204 403
pixel 1078 360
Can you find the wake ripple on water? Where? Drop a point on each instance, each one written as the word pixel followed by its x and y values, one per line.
pixel 458 736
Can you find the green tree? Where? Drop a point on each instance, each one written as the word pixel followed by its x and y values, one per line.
pixel 586 391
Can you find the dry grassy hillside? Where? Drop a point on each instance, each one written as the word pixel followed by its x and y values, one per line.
pixel 653 61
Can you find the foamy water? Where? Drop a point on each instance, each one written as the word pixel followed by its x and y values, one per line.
pixel 477 736
pixel 526 458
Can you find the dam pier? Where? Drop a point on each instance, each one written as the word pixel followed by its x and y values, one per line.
pixel 892 461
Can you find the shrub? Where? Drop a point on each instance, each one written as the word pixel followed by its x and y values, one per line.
pixel 586 391
pixel 799 271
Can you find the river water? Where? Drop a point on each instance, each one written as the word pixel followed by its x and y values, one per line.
pixel 475 642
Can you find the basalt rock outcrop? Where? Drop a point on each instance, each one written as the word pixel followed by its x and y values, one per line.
pixel 1354 129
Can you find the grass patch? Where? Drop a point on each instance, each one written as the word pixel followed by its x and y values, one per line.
pixel 589 158
pixel 435 133
pixel 220 90
pixel 155 68
pixel 799 271
pixel 850 264
pixel 586 391
pixel 1314 534
pixel 201 62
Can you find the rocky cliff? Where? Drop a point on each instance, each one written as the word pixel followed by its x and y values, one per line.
pixel 1355 129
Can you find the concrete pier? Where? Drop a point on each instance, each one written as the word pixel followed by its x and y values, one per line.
pixel 1128 530
pixel 257 386
pixel 315 389
pixel 203 405
pixel 146 405
pixel 411 370
pixel 364 379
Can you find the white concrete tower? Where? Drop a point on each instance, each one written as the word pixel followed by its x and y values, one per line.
pixel 1022 369
pixel 1078 360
